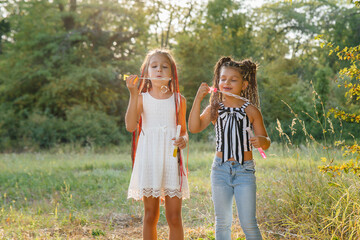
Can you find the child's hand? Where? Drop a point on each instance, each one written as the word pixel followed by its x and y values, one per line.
pixel 258 141
pixel 203 90
pixel 131 83
pixel 180 142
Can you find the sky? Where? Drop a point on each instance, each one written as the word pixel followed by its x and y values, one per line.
pixel 252 3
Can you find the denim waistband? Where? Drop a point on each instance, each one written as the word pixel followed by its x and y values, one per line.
pixel 218 159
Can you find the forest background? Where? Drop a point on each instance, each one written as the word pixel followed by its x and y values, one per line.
pixel 60 63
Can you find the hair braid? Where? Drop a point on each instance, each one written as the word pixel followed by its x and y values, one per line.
pixel 216 97
pixel 247 69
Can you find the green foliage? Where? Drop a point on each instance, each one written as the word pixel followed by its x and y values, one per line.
pixel 72 57
pixel 42 130
pixel 351 77
pixel 88 126
pixel 39 130
pixel 279 72
pixel 322 83
pixel 351 166
pixel 4 28
pixel 9 125
pixel 222 31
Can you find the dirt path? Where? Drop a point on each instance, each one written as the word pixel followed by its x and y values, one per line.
pixel 125 227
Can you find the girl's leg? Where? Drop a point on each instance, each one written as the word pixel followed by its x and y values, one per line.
pixel 222 195
pixel 173 217
pixel 151 217
pixel 245 197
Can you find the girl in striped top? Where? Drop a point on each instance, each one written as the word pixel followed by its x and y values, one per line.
pixel 233 172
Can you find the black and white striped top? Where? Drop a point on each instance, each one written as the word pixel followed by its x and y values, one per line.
pixel 232 139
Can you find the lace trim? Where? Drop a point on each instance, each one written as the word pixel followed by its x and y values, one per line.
pixel 150 192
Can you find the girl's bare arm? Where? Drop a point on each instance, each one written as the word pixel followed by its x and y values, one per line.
pixel 184 137
pixel 261 138
pixel 198 122
pixel 134 109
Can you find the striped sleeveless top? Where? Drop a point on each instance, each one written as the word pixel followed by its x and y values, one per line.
pixel 232 139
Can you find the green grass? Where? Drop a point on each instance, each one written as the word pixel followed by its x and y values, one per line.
pixel 82 193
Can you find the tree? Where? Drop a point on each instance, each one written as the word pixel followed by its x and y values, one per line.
pixel 351 81
pixel 217 31
pixel 286 31
pixel 4 29
pixel 71 57
pixel 74 56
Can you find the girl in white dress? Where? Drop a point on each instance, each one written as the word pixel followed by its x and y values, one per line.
pixel 154 111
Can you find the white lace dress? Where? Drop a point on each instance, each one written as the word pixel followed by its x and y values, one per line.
pixel 156 171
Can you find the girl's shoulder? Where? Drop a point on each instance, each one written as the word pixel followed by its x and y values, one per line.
pixel 253 112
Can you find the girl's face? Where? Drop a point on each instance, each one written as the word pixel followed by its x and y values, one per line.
pixel 230 80
pixel 159 67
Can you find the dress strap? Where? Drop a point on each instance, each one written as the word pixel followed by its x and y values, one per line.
pixel 245 105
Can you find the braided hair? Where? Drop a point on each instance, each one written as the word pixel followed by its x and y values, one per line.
pixel 247 68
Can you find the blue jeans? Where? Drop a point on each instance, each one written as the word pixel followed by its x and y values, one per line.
pixel 230 179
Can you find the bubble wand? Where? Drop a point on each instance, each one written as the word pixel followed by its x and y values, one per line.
pixel 213 89
pixel 261 151
pixel 178 129
pixel 162 79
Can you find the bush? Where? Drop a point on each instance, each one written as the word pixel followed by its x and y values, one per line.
pixel 9 125
pixel 24 131
pixel 89 126
pixel 42 130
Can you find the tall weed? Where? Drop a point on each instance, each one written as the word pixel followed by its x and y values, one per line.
pixel 312 204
